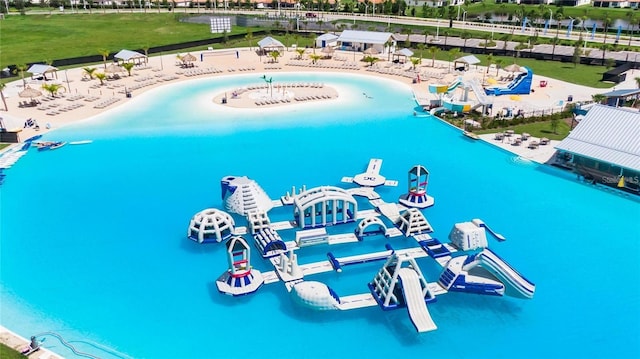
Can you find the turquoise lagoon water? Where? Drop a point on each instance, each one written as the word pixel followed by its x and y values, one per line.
pixel 94 237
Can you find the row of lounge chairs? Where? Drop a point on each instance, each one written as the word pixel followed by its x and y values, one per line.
pixel 272 102
pixel 325 65
pixel 139 86
pixel 32 103
pixel 204 71
pixel 231 69
pixel 48 106
pixel 312 98
pixel 106 103
pixel 272 67
pixel 75 97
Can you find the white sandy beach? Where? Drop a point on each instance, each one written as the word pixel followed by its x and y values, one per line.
pixel 83 98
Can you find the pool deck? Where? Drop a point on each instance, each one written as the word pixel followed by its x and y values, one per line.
pixel 18 343
pixel 540 154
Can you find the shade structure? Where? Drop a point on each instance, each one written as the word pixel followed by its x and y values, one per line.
pixel 188 58
pixel 113 69
pixel 513 68
pixel 371 51
pixel 328 50
pixel 30 92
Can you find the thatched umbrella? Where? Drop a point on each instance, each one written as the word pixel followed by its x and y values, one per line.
pixel 513 68
pixel 188 58
pixel 328 50
pixel 29 92
pixel 113 69
pixel 371 51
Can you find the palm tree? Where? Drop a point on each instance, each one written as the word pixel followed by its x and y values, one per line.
pixel 466 35
pixel 21 69
pixel 433 50
pixel 606 23
pixel 314 58
pixel 105 54
pixel 415 61
pixel 490 61
pixel 630 18
pixel 300 51
pixel 370 59
pixel 452 54
pixel 53 88
pixel 559 17
pixel 249 38
pixel 555 42
pixel 145 48
pixel 598 98
pixel 420 48
pixel 407 31
pixel 4 100
pixel 426 32
pixel 388 46
pixel 128 66
pixel 101 76
pixel 446 35
pixel 604 47
pixel 486 38
pixel 89 71
pixel 275 55
pixel 498 63
pixel 637 83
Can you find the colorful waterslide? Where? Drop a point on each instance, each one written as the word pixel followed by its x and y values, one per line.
pixel 442 88
pixel 414 298
pixel 521 85
pixel 497 266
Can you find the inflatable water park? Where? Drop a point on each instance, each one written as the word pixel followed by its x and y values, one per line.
pixel 316 216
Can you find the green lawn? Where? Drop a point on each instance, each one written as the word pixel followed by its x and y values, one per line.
pixel 537 129
pixel 35 38
pixel 9 353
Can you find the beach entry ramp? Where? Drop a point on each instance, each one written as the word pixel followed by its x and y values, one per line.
pixel 414 298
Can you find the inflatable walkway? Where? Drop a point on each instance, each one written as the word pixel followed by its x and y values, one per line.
pixel 412 291
pixel 492 262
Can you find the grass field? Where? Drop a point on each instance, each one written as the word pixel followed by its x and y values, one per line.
pixel 9 353
pixel 35 38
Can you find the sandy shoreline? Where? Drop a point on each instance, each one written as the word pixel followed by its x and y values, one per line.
pixel 84 99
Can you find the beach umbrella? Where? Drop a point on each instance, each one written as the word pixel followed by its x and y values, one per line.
pixel 30 92
pixel 113 68
pixel 188 58
pixel 327 50
pixel 513 68
pixel 371 51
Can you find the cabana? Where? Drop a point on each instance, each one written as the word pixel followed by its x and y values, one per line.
pixel 269 44
pixel 465 62
pixel 327 40
pixel 41 70
pixel 362 40
pixel 402 55
pixel 130 56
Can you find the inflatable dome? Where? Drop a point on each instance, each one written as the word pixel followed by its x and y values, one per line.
pixel 315 295
pixel 210 225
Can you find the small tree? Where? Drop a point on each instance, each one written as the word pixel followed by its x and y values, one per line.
pixel 300 52
pixel 452 54
pixel 498 63
pixel 415 61
pixel 101 76
pixel 249 38
pixel 598 98
pixel 21 68
pixel 105 54
pixel 53 88
pixel 637 81
pixel 433 51
pixel 314 58
pixel 274 55
pixel 370 60
pixel 554 124
pixel 89 71
pixel 128 66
